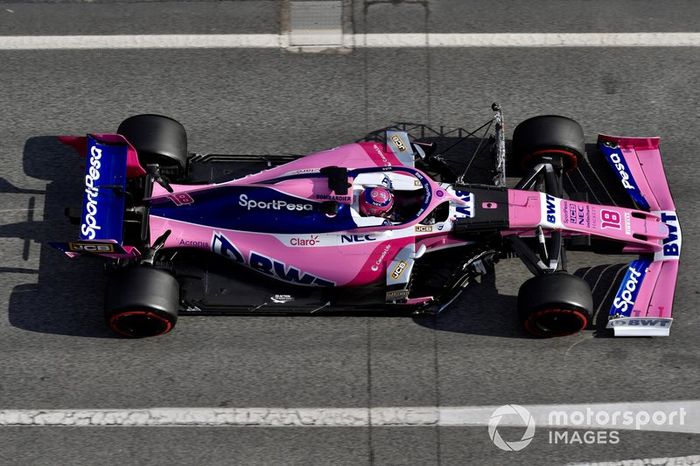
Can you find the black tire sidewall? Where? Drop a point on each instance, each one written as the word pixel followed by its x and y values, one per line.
pixel 562 293
pixel 142 289
pixel 558 134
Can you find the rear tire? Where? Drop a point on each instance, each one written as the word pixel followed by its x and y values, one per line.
pixel 142 302
pixel 157 139
pixel 554 305
pixel 549 136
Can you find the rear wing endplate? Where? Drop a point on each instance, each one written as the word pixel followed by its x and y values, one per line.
pixel 110 160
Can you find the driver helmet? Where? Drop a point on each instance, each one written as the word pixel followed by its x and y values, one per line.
pixel 376 202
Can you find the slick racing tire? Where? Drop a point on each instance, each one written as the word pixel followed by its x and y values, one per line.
pixel 157 139
pixel 548 136
pixel 555 305
pixel 142 302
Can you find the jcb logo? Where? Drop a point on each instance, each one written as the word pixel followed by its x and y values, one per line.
pixel 399 143
pixel 396 274
pixel 98 248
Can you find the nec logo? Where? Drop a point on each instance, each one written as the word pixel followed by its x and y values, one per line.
pixel 672 243
pixel 357 238
pixel 551 208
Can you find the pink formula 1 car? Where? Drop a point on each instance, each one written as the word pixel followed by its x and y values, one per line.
pixel 403 220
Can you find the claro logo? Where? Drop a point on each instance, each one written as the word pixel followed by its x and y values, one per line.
pixel 276 204
pixel 312 240
pixel 89 226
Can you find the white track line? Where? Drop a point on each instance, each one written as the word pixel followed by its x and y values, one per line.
pixel 187 41
pixel 448 416
pixel 666 461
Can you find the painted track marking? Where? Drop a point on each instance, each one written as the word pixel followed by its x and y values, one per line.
pixel 433 40
pixel 446 416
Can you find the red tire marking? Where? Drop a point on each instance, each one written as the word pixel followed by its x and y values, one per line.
pixel 531 328
pixel 151 314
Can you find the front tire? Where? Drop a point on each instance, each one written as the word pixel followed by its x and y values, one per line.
pixel 549 136
pixel 142 302
pixel 555 305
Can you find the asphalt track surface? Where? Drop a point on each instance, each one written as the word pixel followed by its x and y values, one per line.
pixel 57 353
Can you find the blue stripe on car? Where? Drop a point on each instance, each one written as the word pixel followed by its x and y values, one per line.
pixel 254 208
pixel 103 197
pixel 619 165
pixel 223 207
pixel 626 295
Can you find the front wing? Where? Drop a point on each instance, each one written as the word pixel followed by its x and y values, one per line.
pixel 643 303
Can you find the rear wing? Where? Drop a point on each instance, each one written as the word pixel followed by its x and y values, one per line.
pixel 110 160
pixel 644 300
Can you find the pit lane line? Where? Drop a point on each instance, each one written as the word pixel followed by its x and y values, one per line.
pixel 686 420
pixel 398 40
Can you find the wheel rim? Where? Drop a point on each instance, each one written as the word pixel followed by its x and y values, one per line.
pixel 139 323
pixel 556 322
pixel 571 158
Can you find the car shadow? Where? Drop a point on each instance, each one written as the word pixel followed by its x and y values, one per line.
pixel 604 281
pixel 480 310
pixel 67 299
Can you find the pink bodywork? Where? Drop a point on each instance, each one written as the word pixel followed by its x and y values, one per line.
pixel 323 254
pixel 655 298
pixel 643 233
pixel 366 260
